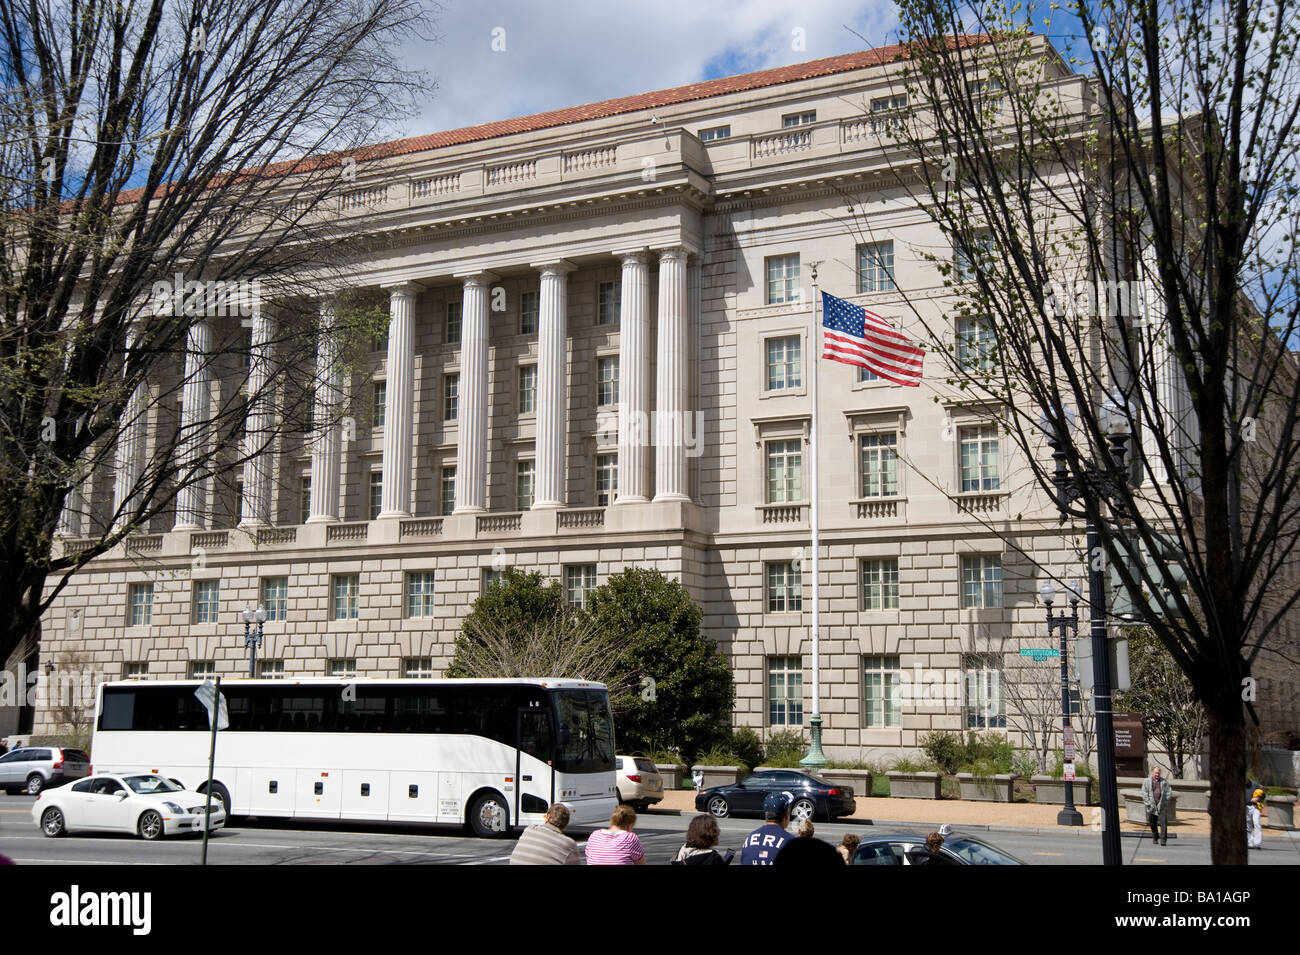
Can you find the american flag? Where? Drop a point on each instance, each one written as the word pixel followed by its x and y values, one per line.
pixel 855 336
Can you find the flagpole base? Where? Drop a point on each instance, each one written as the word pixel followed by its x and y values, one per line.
pixel 815 759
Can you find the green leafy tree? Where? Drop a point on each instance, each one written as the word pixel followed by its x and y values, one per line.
pixel 688 705
pixel 508 613
pixel 1164 698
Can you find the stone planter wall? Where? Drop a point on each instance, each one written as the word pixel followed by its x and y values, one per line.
pixel 718 775
pixel 1135 811
pixel 1193 794
pixel 1051 790
pixel 859 780
pixel 672 773
pixel 997 788
pixel 1281 812
pixel 914 785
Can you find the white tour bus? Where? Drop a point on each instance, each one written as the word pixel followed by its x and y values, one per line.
pixel 491 754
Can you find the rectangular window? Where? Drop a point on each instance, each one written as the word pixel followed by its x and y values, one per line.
pixel 866 374
pixel 882 705
pixel 450 396
pixel 609 303
pixel 529 311
pixel 447 490
pixel 524 472
pixel 275 597
pixel 270 669
pixel 976 345
pixel 887 113
pixel 419 594
pixel 453 323
pixel 136 670
pixel 785 691
pixel 879 464
pixel 344 668
pixel 527 389
pixel 881 104
pixel 979 458
pixel 784 363
pixel 376 493
pixel 141 604
pixel 380 399
pixel 492 577
pixel 380 341
pixel 347 588
pixel 203 670
pixel 207 601
pixel 417 668
pixel 606 479
pixel 784 588
pixel 974 249
pixel 876 267
pixel 784 471
pixel 579 582
pixel 985 708
pixel 714 133
pixel 981 582
pixel 239 502
pixel 304 499
pixel 782 279
pixel 880 584
pixel 607 380
pixel 798 119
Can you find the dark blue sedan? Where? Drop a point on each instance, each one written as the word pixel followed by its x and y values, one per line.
pixel 814 798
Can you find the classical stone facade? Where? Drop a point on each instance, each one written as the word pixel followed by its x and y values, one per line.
pixel 599 356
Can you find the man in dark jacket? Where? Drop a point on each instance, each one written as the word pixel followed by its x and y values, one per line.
pixel 1155 798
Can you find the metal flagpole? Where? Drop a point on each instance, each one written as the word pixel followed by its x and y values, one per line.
pixel 815 757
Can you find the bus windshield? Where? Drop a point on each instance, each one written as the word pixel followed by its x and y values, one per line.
pixel 585 739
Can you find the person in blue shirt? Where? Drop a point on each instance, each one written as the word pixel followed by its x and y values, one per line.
pixel 762 845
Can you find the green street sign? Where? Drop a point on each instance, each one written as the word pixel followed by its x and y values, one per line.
pixel 1040 654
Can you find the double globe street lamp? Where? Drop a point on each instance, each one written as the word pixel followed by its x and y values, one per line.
pixel 1093 484
pixel 253 638
pixel 1067 625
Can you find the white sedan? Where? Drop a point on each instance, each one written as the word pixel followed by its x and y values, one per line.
pixel 146 805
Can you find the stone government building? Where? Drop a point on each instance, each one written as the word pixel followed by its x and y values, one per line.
pixel 654 253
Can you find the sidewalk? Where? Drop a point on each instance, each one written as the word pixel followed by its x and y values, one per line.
pixel 934 812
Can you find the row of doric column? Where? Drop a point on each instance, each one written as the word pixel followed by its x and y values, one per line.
pixel 637 426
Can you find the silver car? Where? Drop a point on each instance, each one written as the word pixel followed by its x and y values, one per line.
pixel 39 767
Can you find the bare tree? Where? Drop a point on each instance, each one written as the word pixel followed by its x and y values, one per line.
pixel 1032 688
pixel 1124 225
pixel 170 167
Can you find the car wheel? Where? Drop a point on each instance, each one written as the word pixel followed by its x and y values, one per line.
pixel 718 807
pixel 151 825
pixel 52 822
pixel 802 809
pixel 489 817
pixel 35 783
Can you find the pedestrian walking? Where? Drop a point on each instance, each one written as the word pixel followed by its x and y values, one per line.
pixel 762 845
pixel 701 840
pixel 617 845
pixel 547 844
pixel 1155 799
pixel 1254 820
pixel 848 845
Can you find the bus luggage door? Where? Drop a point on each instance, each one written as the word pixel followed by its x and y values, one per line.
pixel 534 785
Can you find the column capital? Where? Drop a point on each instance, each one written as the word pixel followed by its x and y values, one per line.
pixel 676 251
pixel 403 288
pixel 476 277
pixel 553 266
pixel 641 255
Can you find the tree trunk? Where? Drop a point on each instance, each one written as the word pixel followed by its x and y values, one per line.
pixel 1227 732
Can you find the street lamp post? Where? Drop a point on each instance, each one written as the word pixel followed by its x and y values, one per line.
pixel 1068 816
pixel 253 638
pixel 1097 483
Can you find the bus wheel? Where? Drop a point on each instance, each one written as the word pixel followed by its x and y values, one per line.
pixel 488 816
pixel 222 795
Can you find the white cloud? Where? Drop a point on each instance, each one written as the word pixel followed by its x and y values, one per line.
pixel 566 54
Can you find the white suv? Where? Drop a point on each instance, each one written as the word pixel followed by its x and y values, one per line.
pixel 639 783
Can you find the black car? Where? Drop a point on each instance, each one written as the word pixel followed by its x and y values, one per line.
pixel 902 848
pixel 814 798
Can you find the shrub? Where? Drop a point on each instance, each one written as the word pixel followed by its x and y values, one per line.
pixel 747 746
pixel 721 756
pixel 785 748
pixel 913 764
pixel 945 750
pixel 1080 769
pixel 1024 764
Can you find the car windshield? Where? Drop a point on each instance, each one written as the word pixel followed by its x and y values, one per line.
pixel 978 853
pixel 148 785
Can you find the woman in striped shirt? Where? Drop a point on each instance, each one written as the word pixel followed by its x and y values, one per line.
pixel 617 845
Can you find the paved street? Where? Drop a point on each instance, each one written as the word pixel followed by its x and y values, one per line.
pixel 259 842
